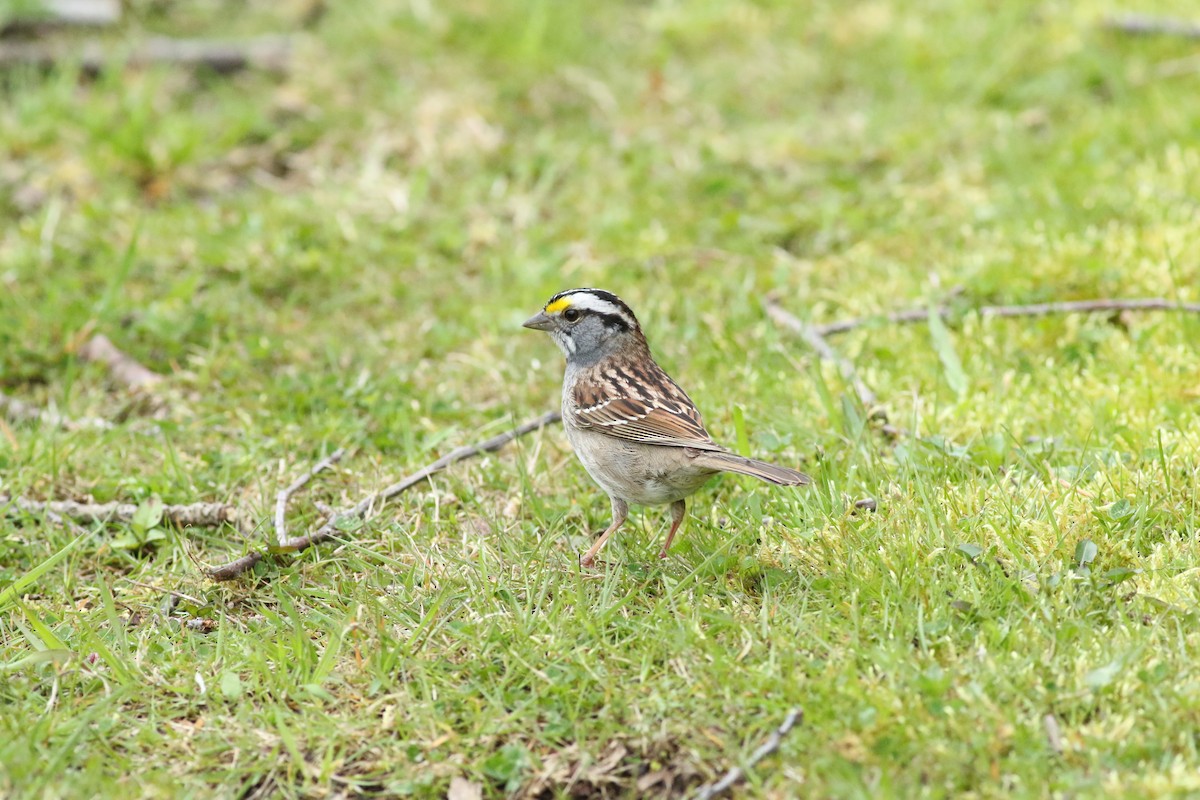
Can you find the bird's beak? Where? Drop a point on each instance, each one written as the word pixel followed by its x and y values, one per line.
pixel 540 321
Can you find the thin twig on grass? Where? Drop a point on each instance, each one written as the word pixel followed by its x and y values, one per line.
pixel 366 506
pixel 738 774
pixel 65 522
pixel 265 52
pixel 816 340
pixel 19 411
pixel 200 515
pixel 1144 24
pixel 816 335
pixel 281 499
pixel 124 368
pixel 49 13
pixel 1100 306
pixel 172 592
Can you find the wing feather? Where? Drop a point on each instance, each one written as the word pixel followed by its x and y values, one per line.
pixel 652 409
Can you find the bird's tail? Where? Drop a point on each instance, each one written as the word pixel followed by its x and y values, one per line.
pixel 771 473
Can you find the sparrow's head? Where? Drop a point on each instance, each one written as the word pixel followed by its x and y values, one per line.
pixel 588 324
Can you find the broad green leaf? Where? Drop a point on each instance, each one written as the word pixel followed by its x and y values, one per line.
pixel 1103 676
pixel 148 515
pixel 348 524
pixel 944 347
pixel 1085 553
pixel 1121 509
pixel 971 551
pixel 231 685
pixel 507 765
pixel 1120 575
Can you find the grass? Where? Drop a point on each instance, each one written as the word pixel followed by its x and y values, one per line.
pixel 342 256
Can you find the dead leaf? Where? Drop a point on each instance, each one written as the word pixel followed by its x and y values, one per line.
pixel 463 789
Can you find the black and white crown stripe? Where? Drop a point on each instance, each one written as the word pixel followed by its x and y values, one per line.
pixel 600 302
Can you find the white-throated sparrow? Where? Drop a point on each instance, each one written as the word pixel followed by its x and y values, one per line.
pixel 637 433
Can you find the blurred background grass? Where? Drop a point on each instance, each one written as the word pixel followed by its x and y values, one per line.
pixel 342 254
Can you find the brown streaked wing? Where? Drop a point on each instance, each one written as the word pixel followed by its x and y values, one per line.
pixel 667 417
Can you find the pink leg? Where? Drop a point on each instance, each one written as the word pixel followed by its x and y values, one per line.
pixel 620 511
pixel 678 512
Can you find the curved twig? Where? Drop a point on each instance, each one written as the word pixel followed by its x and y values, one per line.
pixel 738 774
pixel 363 509
pixel 816 340
pixel 281 499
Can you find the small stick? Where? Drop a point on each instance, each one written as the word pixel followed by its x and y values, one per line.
pixel 62 12
pixel 365 507
pixel 1090 307
pixel 738 774
pixel 1144 24
pixel 203 515
pixel 124 368
pixel 65 522
pixel 281 499
pixel 227 572
pixel 265 52
pixel 816 340
pixel 20 411
pixel 172 592
pixel 1102 305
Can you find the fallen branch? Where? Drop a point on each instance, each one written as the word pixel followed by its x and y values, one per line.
pixel 1144 24
pixel 1033 310
pixel 200 515
pixel 124 368
pixel 267 52
pixel 738 774
pixel 365 507
pixel 281 500
pixel 816 340
pixel 19 411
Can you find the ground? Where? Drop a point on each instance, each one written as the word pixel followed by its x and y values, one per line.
pixel 341 255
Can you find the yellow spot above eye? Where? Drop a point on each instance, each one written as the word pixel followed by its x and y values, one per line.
pixel 558 305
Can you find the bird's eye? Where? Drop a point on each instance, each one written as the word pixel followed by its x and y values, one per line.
pixel 572 315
